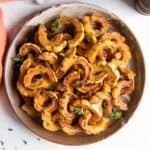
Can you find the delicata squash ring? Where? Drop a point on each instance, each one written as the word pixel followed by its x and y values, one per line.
pixel 94 26
pixel 74 80
pixel 78 33
pixel 56 44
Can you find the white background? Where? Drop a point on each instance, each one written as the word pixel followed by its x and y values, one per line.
pixel 134 135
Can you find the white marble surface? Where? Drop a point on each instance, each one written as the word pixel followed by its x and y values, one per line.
pixel 135 134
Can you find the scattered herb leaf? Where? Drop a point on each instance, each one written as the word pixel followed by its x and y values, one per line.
pixel 56 24
pixel 115 115
pixel 76 83
pixel 38 139
pixel 9 129
pixel 18 60
pixel 1 142
pixel 78 110
pixel 24 141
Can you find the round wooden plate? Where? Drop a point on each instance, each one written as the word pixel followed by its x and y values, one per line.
pixel 76 10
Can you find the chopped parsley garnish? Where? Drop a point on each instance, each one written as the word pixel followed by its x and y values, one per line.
pixel 1 142
pixel 18 60
pixel 10 129
pixel 56 24
pixel 38 139
pixel 78 110
pixel 24 141
pixel 115 115
pixel 76 83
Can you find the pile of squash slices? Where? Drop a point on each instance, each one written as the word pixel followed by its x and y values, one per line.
pixel 74 76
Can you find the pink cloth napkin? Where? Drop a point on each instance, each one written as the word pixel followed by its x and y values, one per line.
pixel 4 0
pixel 3 39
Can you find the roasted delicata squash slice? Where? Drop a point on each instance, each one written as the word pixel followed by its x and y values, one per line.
pixel 86 68
pixel 125 55
pixel 95 108
pixel 74 77
pixel 99 67
pixel 66 64
pixel 49 57
pixel 98 78
pixel 93 52
pixel 94 128
pixel 28 48
pixel 68 128
pixel 27 63
pixel 101 51
pixel 56 44
pixel 45 100
pixel 45 79
pixel 72 80
pixel 20 85
pixel 23 90
pixel 123 87
pixel 113 75
pixel 107 50
pixel 106 102
pixel 115 37
pixel 127 73
pixel 47 114
pixel 89 88
pixel 48 122
pixel 78 33
pixel 63 106
pixel 108 73
pixel 63 36
pixel 94 26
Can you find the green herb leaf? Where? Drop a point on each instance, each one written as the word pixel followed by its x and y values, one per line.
pixel 24 141
pixel 38 139
pixel 1 142
pixel 10 129
pixel 115 115
pixel 76 83
pixel 18 59
pixel 78 110
pixel 56 24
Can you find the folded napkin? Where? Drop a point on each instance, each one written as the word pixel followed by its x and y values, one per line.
pixel 3 38
pixel 4 0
